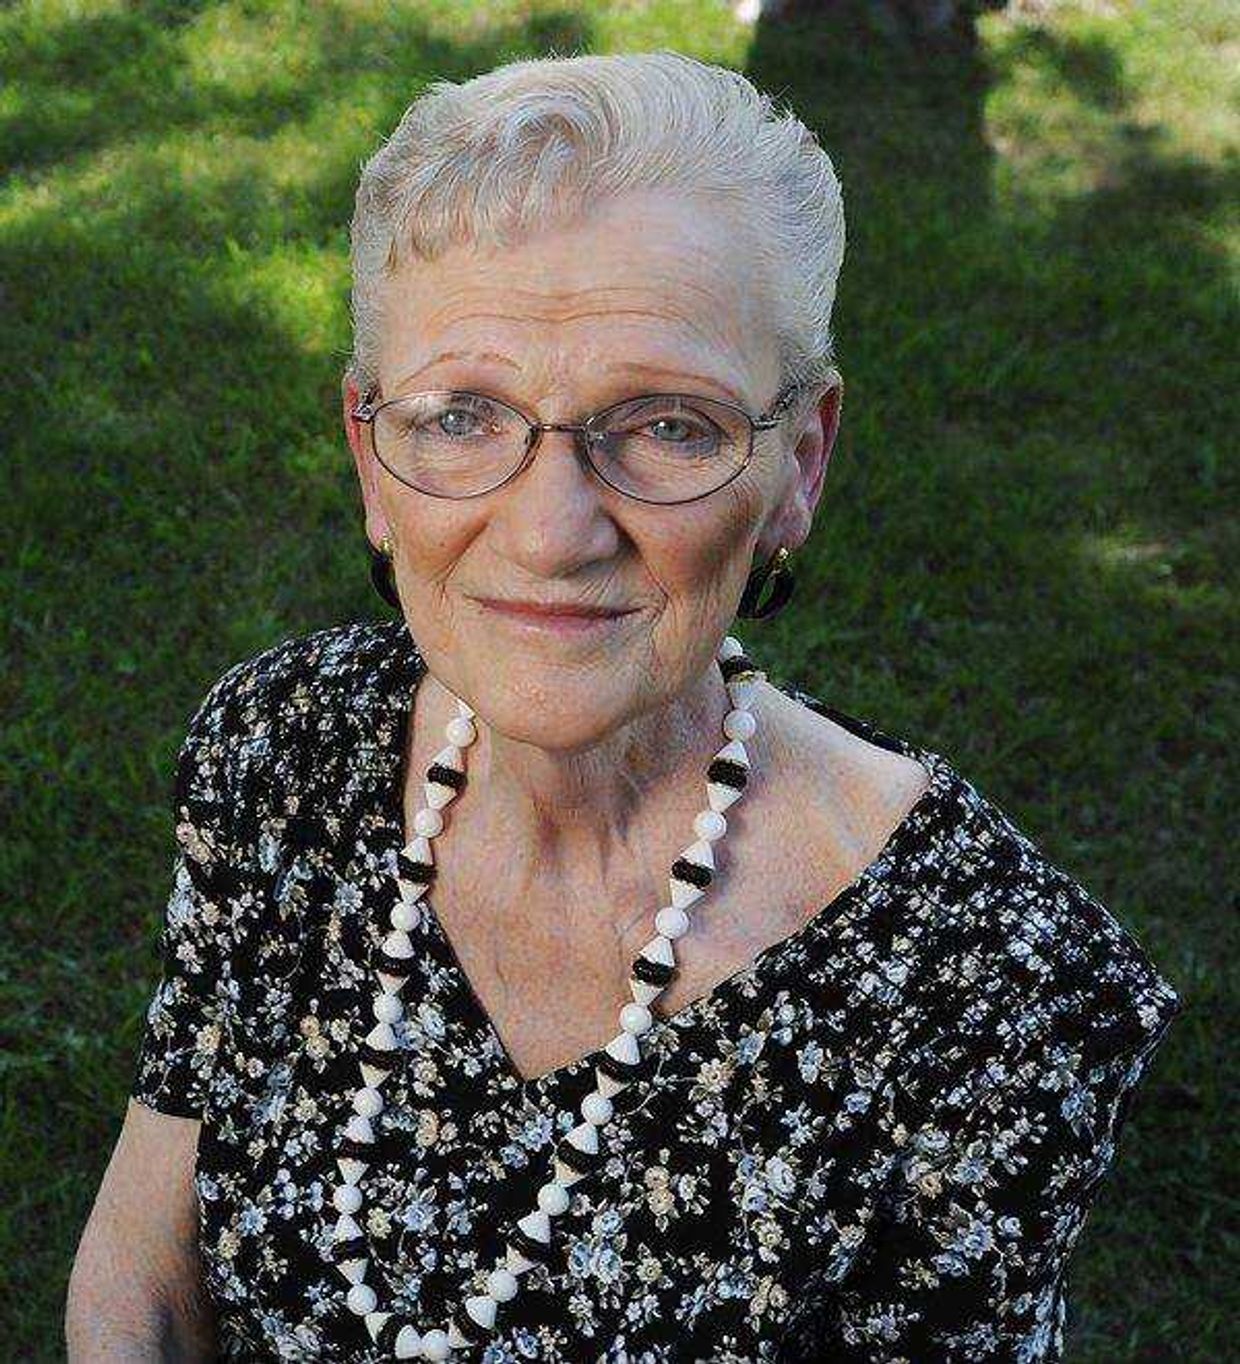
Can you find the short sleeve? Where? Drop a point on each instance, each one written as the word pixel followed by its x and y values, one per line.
pixel 1002 1159
pixel 185 1015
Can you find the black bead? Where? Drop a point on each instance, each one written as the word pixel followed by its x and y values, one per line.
pixel 725 772
pixel 583 1162
pixel 531 1249
pixel 353 1249
pixel 651 972
pixel 692 872
pixel 401 967
pixel 377 1057
pixel 419 873
pixel 624 1072
pixel 446 776
pixel 738 663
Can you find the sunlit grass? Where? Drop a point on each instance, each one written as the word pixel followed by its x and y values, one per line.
pixel 1025 553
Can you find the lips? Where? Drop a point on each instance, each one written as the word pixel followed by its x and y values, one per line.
pixel 542 611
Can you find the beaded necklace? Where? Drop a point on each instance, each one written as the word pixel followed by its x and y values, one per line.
pixel 619 1064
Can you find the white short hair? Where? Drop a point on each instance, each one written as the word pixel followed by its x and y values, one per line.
pixel 490 160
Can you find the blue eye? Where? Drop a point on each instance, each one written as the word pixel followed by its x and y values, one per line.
pixel 688 430
pixel 445 419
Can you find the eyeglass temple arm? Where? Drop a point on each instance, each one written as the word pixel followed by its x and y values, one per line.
pixel 778 410
pixel 783 401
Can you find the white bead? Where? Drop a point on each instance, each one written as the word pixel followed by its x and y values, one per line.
pixel 345 1229
pixel 368 1102
pixel 536 1223
pixel 596 1108
pixel 734 752
pixel 347 1198
pixel 481 1308
pixel 636 1018
pixel 430 822
pixel 460 732
pixel 671 922
pixel 435 1345
pixel 682 893
pixel 382 1036
pixel 502 1284
pixel 700 853
pixel 359 1129
pixel 403 917
pixel 350 1168
pixel 729 648
pixel 361 1299
pixel 375 1322
pixel 418 849
pixel 585 1138
pixel 388 1008
pixel 709 824
pixel 739 724
pixel 553 1198
pixel 397 944
pixel 408 1343
pixel 743 691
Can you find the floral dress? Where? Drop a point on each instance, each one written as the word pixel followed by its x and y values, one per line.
pixel 876 1141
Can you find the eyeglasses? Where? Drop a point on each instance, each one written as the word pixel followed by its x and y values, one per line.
pixel 665 448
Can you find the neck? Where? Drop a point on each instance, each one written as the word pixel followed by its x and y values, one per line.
pixel 574 811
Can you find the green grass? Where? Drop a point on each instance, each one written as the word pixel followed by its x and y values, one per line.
pixel 1025 554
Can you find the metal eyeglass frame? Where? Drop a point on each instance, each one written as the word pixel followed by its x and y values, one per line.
pixel 367 410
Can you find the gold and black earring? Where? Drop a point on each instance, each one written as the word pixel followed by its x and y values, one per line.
pixel 778 577
pixel 382 574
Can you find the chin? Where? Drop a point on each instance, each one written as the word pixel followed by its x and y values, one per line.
pixel 556 708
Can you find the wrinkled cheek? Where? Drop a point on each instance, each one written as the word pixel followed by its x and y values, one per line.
pixel 708 555
pixel 723 549
pixel 432 545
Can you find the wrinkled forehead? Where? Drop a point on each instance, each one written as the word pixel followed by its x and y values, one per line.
pixel 643 290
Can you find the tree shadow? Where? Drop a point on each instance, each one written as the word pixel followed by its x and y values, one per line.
pixel 1027 538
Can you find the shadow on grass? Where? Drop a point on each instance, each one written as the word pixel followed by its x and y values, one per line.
pixel 1022 554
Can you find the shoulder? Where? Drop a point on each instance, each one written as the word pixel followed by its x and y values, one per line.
pixel 293 724
pixel 1027 977
pixel 301 671
pixel 850 785
pixel 1006 952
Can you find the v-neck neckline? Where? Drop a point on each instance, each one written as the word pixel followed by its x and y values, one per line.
pixel 848 904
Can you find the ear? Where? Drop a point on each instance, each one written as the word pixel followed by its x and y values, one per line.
pixel 369 471
pixel 815 440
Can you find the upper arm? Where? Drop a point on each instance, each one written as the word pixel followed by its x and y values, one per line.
pixel 136 1278
pixel 137 1272
pixel 201 926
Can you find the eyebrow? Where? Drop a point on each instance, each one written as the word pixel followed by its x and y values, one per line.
pixel 622 366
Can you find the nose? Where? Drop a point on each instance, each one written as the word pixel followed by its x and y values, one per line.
pixel 559 443
pixel 552 517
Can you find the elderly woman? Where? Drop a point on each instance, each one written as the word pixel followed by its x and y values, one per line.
pixel 540 980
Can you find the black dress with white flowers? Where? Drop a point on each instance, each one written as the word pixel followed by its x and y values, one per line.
pixel 879 1140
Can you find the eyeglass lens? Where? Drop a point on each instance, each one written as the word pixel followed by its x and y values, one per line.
pixel 660 447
